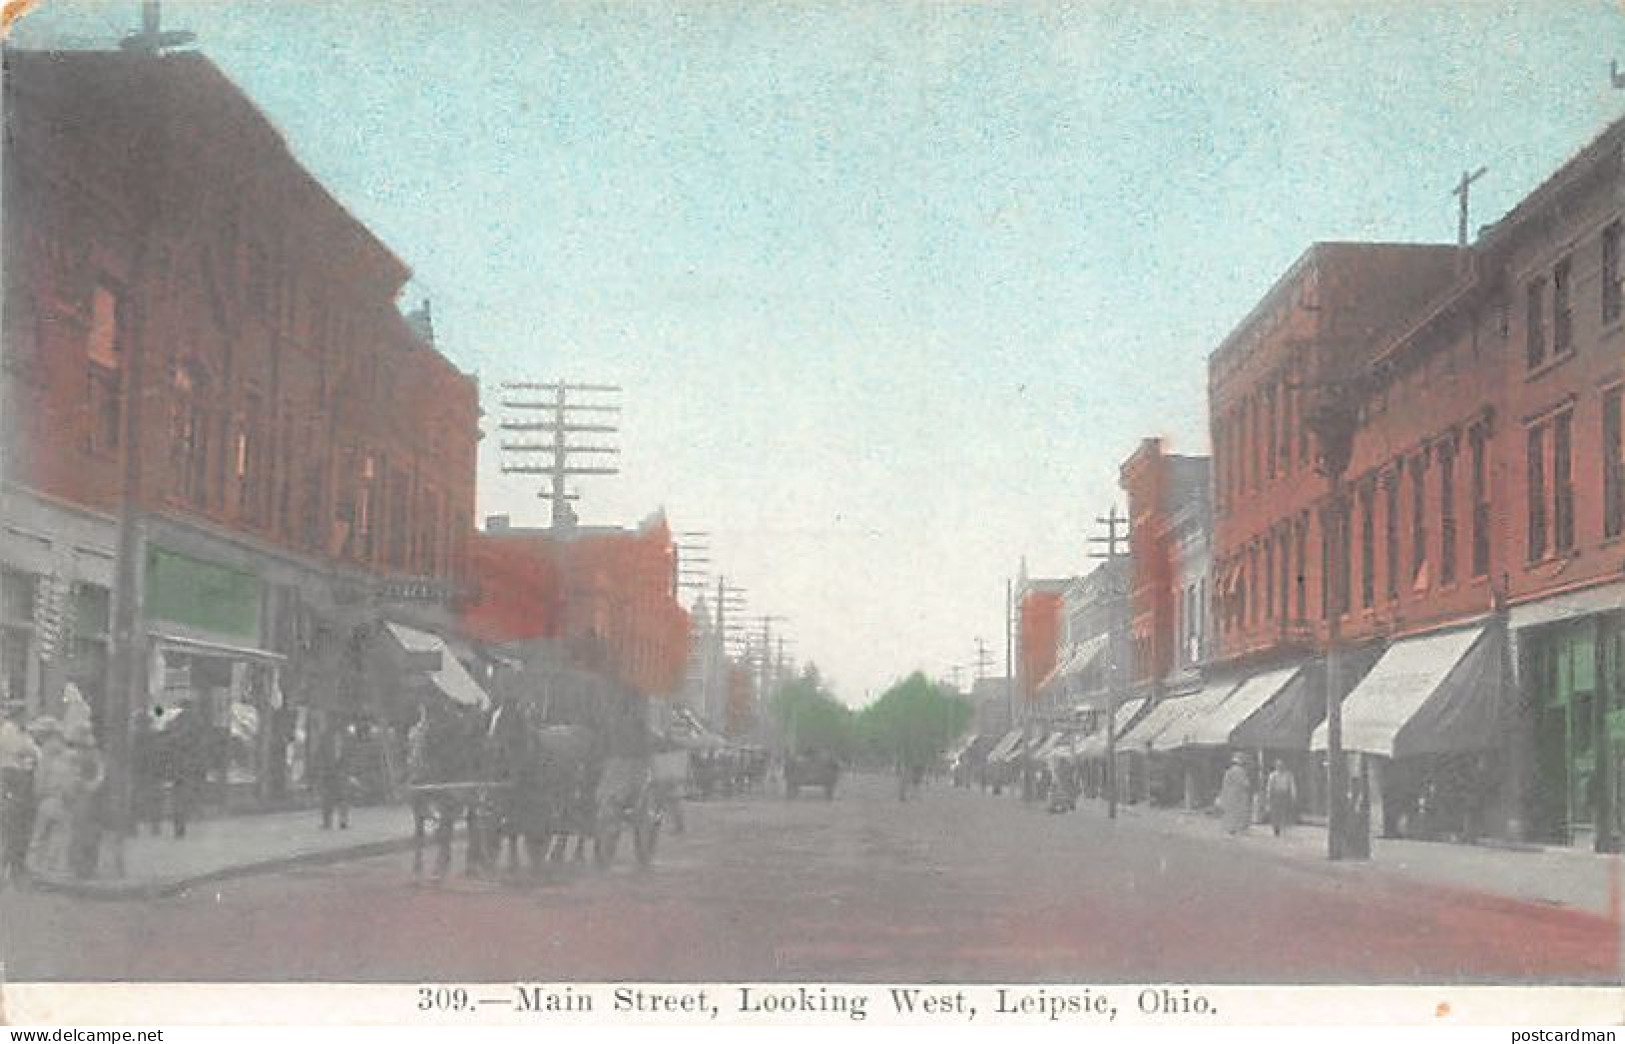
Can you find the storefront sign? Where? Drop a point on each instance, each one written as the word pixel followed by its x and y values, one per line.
pixel 200 594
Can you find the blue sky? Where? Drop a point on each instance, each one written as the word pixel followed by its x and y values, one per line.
pixel 892 287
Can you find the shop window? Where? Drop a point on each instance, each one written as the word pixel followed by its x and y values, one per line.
pixel 1613 463
pixel 17 595
pixel 1613 295
pixel 1535 323
pixel 14 662
pixel 1563 482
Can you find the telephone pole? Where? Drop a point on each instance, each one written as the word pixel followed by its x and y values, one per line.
pixel 564 415
pixel 1461 192
pixel 1114 641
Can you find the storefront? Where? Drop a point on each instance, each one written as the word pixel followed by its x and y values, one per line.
pixel 56 572
pixel 1572 672
pixel 1427 729
pixel 204 639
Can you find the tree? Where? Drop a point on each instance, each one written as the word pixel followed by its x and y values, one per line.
pixel 809 718
pixel 912 723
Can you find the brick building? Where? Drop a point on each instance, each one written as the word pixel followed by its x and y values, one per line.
pixel 1479 541
pixel 601 599
pixel 1038 632
pixel 192 317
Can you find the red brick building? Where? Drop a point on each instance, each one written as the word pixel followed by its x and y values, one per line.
pixel 190 313
pixel 603 598
pixel 1480 544
pixel 1038 633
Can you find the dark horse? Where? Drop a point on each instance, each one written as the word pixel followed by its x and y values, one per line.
pixel 548 779
pixel 442 764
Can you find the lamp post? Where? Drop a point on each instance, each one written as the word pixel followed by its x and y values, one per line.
pixel 1332 420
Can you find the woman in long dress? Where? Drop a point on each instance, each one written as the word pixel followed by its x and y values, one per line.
pixel 1236 797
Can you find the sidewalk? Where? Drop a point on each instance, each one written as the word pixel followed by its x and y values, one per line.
pixel 232 846
pixel 1568 878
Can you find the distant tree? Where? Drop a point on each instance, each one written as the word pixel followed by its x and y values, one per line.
pixel 912 723
pixel 809 718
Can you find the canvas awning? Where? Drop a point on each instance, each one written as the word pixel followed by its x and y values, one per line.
pixel 1431 695
pixel 1194 708
pixel 1570 606
pixel 1006 746
pixel 450 677
pixel 1268 711
pixel 1094 745
pixel 1078 658
pixel 1147 729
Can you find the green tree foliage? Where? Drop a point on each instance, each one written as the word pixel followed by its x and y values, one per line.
pixel 912 723
pixel 809 718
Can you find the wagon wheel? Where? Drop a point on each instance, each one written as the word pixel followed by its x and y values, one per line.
pixel 645 831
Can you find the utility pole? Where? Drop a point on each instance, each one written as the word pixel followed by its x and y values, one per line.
pixel 1118 616
pixel 984 660
pixel 730 601
pixel 1461 192
pixel 128 670
pixel 1333 420
pixel 564 410
pixel 1009 651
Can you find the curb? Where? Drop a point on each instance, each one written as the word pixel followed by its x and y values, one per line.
pixel 114 890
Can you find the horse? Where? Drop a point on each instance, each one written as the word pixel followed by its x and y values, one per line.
pixel 442 756
pixel 549 777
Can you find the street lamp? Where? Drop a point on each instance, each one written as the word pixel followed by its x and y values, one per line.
pixel 1333 420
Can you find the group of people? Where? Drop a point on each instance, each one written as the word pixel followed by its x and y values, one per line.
pixel 1236 798
pixel 52 778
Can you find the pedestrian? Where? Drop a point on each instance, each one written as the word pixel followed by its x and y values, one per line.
pixel 56 781
pixel 333 764
pixel 1236 796
pixel 19 757
pixel 85 807
pixel 186 755
pixel 1282 791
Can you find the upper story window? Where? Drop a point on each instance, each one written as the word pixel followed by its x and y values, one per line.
pixel 1447 512
pixel 1613 294
pixel 1563 482
pixel 1535 324
pixel 1480 488
pixel 104 369
pixel 1613 463
pixel 1562 313
pixel 1535 474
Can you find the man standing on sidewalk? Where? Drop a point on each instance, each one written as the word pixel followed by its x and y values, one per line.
pixel 1236 796
pixel 1282 793
pixel 18 757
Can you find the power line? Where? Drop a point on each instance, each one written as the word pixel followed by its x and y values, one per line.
pixel 564 410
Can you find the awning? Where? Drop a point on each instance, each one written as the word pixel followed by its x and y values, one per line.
pixel 1094 744
pixel 1164 714
pixel 450 677
pixel 1432 695
pixel 1573 605
pixel 200 647
pixel 1005 746
pixel 1268 711
pixel 1193 709
pixel 1078 658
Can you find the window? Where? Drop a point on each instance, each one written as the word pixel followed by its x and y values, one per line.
pixel 1391 530
pixel 1481 500
pixel 363 506
pixel 189 434
pixel 1535 350
pixel 1269 578
pixel 1419 522
pixel 1447 513
pixel 1250 608
pixel 1283 541
pixel 1274 427
pixel 104 353
pixel 1301 556
pixel 1612 293
pixel 1562 315
pixel 1368 551
pixel 1535 462
pixel 1563 482
pixel 1613 464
